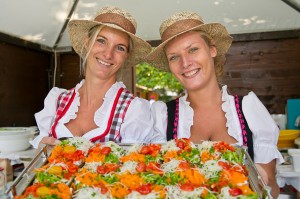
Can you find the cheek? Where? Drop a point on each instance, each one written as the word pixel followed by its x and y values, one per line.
pixel 175 66
pixel 122 58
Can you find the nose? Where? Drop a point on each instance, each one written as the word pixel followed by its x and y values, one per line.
pixel 186 62
pixel 108 52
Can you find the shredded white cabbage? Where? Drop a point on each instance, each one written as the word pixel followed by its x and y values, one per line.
pixel 225 194
pixel 176 192
pixel 134 148
pixel 169 146
pixel 115 148
pixel 206 145
pixel 170 166
pixel 211 169
pixel 129 166
pixel 91 193
pixel 80 143
pixel 137 195
pixel 92 166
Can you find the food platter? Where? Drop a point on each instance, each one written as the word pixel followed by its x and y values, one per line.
pixel 185 172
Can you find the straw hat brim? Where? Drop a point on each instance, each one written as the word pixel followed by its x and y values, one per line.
pixel 78 30
pixel 218 32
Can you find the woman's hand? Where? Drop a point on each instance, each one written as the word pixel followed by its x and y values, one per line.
pixel 48 141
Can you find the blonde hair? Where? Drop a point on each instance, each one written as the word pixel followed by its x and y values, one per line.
pixel 219 60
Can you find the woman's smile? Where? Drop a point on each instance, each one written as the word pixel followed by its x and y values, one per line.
pixel 103 62
pixel 191 73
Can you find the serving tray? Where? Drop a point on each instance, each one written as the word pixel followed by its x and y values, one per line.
pixel 27 176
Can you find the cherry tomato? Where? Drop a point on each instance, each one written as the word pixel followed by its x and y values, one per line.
pixel 144 189
pixel 180 144
pixel 184 165
pixel 187 187
pixel 141 167
pixel 235 191
pixel 111 167
pixel 224 165
pixel 101 169
pixel 154 167
pixel 72 168
pixel 145 150
pixel 105 150
pixel 104 190
pixel 154 148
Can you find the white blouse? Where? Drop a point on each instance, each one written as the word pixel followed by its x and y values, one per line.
pixel 136 127
pixel 264 129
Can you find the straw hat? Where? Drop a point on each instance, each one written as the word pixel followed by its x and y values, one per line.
pixel 115 18
pixel 184 22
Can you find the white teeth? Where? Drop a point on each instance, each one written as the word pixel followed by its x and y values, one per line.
pixel 189 74
pixel 104 63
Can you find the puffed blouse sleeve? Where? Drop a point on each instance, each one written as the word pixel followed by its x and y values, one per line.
pixel 138 123
pixel 159 113
pixel 45 117
pixel 264 129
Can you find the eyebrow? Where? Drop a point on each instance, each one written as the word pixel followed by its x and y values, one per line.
pixel 99 35
pixel 189 46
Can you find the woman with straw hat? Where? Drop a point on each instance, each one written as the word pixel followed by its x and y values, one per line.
pixel 99 108
pixel 194 52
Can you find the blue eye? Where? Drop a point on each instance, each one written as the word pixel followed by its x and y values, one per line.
pixel 173 58
pixel 194 49
pixel 121 48
pixel 101 41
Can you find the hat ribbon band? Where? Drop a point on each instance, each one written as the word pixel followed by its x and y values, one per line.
pixel 116 19
pixel 178 27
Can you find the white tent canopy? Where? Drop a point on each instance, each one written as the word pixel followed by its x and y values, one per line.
pixel 43 21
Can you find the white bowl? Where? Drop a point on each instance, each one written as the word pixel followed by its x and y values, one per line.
pixel 295 154
pixel 16 130
pixel 13 139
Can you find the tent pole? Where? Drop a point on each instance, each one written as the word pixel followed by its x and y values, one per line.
pixel 65 24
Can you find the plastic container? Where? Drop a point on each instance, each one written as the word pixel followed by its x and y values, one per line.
pixel 295 154
pixel 281 120
pixel 287 137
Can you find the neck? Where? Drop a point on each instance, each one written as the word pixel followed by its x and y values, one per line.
pixel 93 91
pixel 205 97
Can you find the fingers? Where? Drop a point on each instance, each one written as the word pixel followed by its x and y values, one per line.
pixel 48 141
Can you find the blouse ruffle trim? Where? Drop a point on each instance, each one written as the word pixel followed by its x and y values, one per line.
pixel 231 124
pixel 187 113
pixel 268 153
pixel 108 101
pixel 72 111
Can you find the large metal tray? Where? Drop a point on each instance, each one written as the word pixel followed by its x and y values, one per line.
pixel 27 176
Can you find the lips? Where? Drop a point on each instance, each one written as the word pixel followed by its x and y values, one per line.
pixel 191 73
pixel 103 62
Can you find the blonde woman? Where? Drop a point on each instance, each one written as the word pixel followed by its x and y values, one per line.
pixel 194 52
pixel 99 108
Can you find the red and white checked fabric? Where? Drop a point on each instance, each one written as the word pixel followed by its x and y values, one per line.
pixel 64 101
pixel 117 115
pixel 121 108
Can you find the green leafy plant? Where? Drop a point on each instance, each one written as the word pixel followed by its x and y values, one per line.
pixel 157 80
